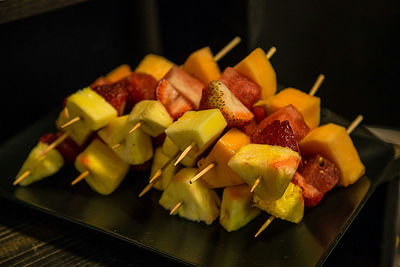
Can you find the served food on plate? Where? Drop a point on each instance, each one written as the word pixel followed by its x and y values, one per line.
pixel 266 150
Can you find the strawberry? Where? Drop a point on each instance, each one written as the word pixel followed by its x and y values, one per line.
pixel 247 91
pixel 217 95
pixel 116 94
pixel 175 103
pixel 259 113
pixel 142 87
pixel 276 133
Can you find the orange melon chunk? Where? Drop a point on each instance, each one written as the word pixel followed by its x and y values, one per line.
pixel 154 65
pixel 308 105
pixel 257 67
pixel 118 73
pixel 333 142
pixel 221 175
pixel 201 65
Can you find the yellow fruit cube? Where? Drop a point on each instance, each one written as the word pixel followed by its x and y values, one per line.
pixel 333 142
pixel 221 175
pixel 308 105
pixel 93 109
pixel 154 65
pixel 119 73
pixel 201 65
pixel 106 169
pixel 257 67
pixel 162 161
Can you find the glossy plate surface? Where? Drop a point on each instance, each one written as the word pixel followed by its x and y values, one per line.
pixel 146 224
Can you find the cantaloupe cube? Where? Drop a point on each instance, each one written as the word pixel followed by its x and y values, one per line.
pixel 106 169
pixel 201 65
pixel 289 207
pixel 274 165
pixel 333 142
pixel 308 105
pixel 93 109
pixel 221 175
pixel 79 132
pixel 257 67
pixel 156 66
pixel 118 73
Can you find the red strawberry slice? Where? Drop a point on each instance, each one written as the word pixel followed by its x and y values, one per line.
pixel 175 103
pixel 142 87
pixel 310 194
pixel 116 94
pixel 217 95
pixel 259 113
pixel 277 133
pixel 247 91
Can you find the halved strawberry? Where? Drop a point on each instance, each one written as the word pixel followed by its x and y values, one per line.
pixel 276 133
pixel 142 87
pixel 217 95
pixel 116 94
pixel 171 99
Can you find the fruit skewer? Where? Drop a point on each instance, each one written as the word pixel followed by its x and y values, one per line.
pixel 349 130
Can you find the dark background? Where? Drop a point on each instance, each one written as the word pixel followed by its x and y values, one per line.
pixel 50 55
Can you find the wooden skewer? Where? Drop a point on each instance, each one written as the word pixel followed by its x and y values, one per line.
pixel 256 182
pixel 354 124
pixel 227 48
pixel 80 177
pixel 135 127
pixel 58 141
pixel 22 177
pixel 351 128
pixel 176 208
pixel 66 113
pixel 200 174
pixel 184 153
pixel 115 146
pixel 317 84
pixel 155 176
pixel 265 225
pixel 271 52
pixel 76 119
pixel 151 182
pixel 146 189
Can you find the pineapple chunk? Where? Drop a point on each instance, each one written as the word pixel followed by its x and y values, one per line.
pixel 201 127
pixel 42 167
pixel 236 207
pixel 135 148
pixel 199 202
pixel 153 116
pixel 221 175
pixel 201 65
pixel 154 65
pixel 308 105
pixel 161 160
pixel 289 207
pixel 106 169
pixel 93 109
pixel 275 165
pixel 333 142
pixel 79 132
pixel 257 67
pixel 169 148
pixel 118 73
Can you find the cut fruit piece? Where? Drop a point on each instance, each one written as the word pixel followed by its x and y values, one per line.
pixel 135 148
pixel 247 91
pixel 79 132
pixel 275 165
pixel 201 65
pixel 221 175
pixel 289 207
pixel 156 66
pixel 236 207
pixel 169 148
pixel 93 109
pixel 176 104
pixel 289 113
pixel 187 86
pixel 161 161
pixel 99 82
pixel 333 142
pixel 141 87
pixel 308 105
pixel 199 202
pixel 217 95
pixel 201 127
pixel 116 94
pixel 152 115
pixel 119 73
pixel 106 169
pixel 40 167
pixel 310 194
pixel 257 67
